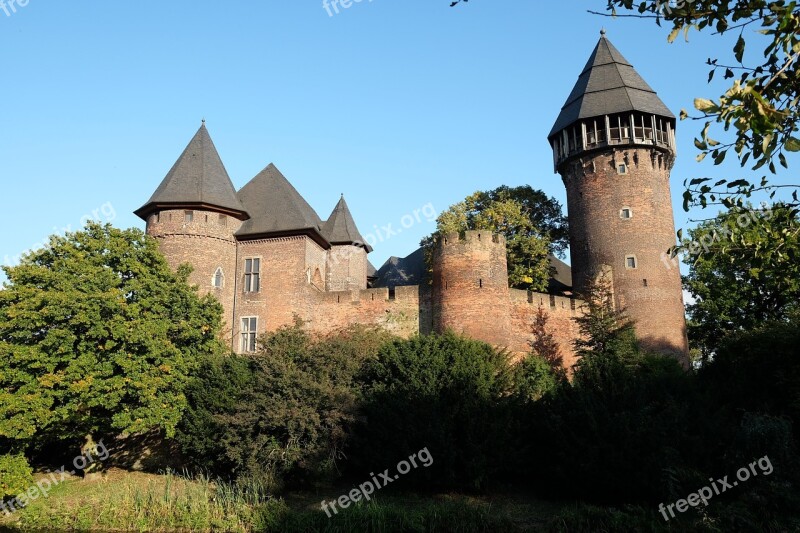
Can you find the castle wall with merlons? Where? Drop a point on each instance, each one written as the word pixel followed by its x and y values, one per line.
pixel 561 312
pixel 473 298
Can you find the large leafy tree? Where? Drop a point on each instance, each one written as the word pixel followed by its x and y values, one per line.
pixel 734 278
pixel 762 104
pixel 532 223
pixel 98 336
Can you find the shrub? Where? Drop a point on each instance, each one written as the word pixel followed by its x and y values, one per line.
pixel 535 377
pixel 16 475
pixel 281 415
pixel 444 392
pixel 621 432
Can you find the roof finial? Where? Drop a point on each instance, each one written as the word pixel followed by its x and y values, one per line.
pixel 602 32
pixel 204 121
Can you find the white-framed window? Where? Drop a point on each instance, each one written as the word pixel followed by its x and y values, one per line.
pixel 625 213
pixel 248 334
pixel 219 279
pixel 622 168
pixel 188 216
pixel 631 262
pixel 252 275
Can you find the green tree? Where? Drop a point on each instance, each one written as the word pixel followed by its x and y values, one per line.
pixel 532 224
pixel 544 344
pixel 762 104
pixel 734 277
pixel 98 336
pixel 604 329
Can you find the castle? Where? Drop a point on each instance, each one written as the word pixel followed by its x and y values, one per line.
pixel 268 257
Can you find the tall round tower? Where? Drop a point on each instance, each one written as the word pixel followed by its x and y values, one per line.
pixel 470 286
pixel 614 147
pixel 194 214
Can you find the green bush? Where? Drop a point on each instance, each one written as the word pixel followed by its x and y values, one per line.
pixel 534 378
pixel 281 415
pixel 624 431
pixel 446 393
pixel 16 475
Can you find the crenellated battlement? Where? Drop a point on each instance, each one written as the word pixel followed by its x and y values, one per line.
pixel 547 301
pixel 408 293
pixel 471 237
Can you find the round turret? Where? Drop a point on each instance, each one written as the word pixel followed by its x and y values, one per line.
pixel 470 286
pixel 614 146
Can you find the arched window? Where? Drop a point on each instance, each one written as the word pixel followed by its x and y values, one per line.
pixel 219 279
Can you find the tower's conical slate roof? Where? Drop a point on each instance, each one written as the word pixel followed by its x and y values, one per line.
pixel 198 177
pixel 275 207
pixel 608 85
pixel 340 228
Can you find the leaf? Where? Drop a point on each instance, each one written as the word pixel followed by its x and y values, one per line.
pixel 705 105
pixel 792 144
pixel 673 34
pixel 738 50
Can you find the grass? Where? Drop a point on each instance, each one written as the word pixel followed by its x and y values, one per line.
pixel 130 501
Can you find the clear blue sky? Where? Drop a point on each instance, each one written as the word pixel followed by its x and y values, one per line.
pixel 396 104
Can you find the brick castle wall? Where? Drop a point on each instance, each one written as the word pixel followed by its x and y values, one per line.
pixel 347 268
pixel 560 311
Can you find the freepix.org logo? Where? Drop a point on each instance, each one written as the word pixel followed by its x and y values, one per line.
pixel 9 7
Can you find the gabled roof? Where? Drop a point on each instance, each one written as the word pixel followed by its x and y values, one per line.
pixel 199 178
pixel 276 208
pixel 340 228
pixel 608 85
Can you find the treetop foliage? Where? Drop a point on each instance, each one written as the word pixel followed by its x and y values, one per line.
pixel 98 335
pixel 532 223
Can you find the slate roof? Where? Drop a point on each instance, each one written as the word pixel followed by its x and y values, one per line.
pixel 608 84
pixel 340 228
pixel 198 177
pixel 560 278
pixel 401 271
pixel 276 208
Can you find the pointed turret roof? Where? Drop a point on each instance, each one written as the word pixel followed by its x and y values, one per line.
pixel 340 227
pixel 276 208
pixel 198 178
pixel 608 84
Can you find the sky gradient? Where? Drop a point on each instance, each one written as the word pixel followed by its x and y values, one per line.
pixel 401 106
